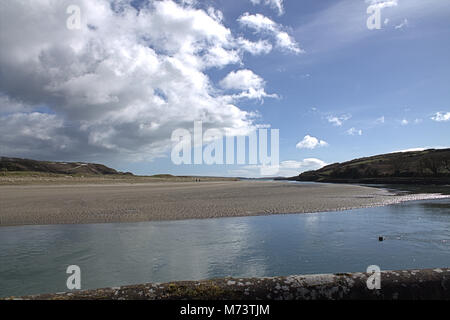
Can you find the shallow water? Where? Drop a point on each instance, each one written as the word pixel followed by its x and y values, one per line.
pixel 33 259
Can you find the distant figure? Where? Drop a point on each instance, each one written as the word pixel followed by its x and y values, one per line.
pixel 380 238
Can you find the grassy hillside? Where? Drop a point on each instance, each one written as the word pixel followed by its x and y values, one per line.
pixel 417 167
pixel 25 171
pixel 71 168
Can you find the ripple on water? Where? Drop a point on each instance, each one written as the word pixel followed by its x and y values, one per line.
pixel 33 259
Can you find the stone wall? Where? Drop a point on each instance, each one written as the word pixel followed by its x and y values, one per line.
pixel 407 284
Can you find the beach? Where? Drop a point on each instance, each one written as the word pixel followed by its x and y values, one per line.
pixel 127 202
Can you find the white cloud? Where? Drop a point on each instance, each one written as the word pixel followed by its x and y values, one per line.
pixel 354 131
pixel 338 121
pixel 441 116
pixel 118 86
pixel 258 22
pixel 275 4
pixel 380 120
pixel 409 150
pixel 419 149
pixel 264 25
pixel 382 3
pixel 405 122
pixel 403 24
pixel 306 164
pixel 291 168
pixel 251 85
pixel 255 48
pixel 288 168
pixel 310 142
pixel 242 80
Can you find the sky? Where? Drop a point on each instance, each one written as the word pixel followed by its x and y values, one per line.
pixel 112 86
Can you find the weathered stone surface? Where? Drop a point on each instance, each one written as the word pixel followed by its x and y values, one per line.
pixel 405 284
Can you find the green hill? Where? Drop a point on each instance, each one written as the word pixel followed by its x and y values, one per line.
pixel 417 167
pixel 70 168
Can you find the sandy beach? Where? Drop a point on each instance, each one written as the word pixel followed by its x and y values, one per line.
pixel 100 203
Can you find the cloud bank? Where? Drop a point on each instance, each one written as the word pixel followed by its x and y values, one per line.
pixel 441 117
pixel 122 82
pixel 274 4
pixel 264 25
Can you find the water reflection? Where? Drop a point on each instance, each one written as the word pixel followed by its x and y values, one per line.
pixel 33 259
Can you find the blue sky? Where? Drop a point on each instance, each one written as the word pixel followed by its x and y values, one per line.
pixel 362 92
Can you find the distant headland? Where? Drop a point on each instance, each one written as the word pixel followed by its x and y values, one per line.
pixel 430 166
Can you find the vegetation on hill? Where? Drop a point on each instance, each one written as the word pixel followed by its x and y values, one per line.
pixel 419 167
pixel 25 171
pixel 68 168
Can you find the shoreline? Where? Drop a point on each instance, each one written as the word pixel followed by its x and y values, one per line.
pixel 421 181
pixel 164 201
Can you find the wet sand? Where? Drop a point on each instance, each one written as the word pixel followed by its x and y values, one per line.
pixel 100 203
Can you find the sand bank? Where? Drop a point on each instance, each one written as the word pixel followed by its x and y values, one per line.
pixel 99 203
